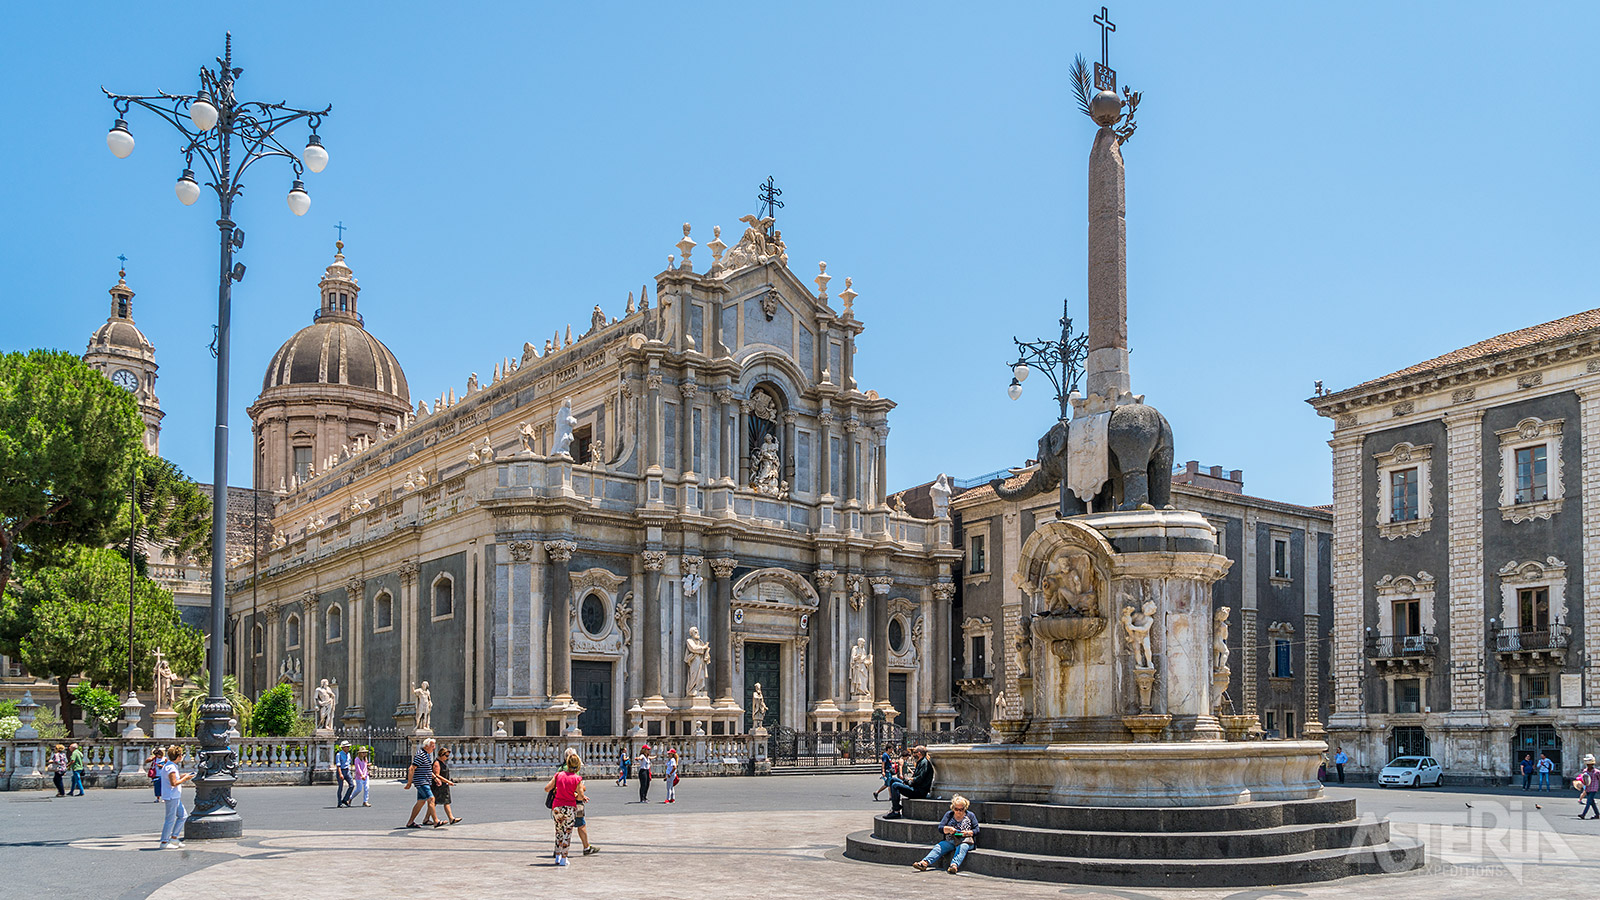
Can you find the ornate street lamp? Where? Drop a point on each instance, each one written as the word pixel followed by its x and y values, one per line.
pixel 1061 361
pixel 228 136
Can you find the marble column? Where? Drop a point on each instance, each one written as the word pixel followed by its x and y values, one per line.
pixel 559 615
pixel 880 639
pixel 825 453
pixel 272 615
pixel 881 496
pixel 308 646
pixel 741 436
pixel 788 447
pixel 650 660
pixel 822 663
pixel 721 629
pixel 852 487
pixel 406 620
pixel 652 405
pixel 724 416
pixel 942 659
pixel 688 391
pixel 355 641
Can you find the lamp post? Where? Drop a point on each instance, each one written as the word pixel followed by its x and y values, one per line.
pixel 1062 362
pixel 216 126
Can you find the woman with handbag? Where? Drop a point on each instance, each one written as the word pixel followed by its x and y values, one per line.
pixel 58 769
pixel 672 775
pixel 561 796
pixel 152 767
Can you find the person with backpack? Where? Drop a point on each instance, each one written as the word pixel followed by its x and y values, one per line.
pixel 624 762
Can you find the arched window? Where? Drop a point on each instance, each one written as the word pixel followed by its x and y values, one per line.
pixel 592 614
pixel 291 631
pixel 897 634
pixel 335 629
pixel 258 640
pixel 383 612
pixel 444 597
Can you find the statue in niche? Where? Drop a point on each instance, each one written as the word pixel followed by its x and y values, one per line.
pixel 1219 640
pixel 566 424
pixel 1137 624
pixel 526 431
pixel 1069 585
pixel 860 669
pixel 698 655
pixel 163 682
pixel 999 713
pixel 1022 650
pixel 769 469
pixel 424 707
pixel 758 707
pixel 326 698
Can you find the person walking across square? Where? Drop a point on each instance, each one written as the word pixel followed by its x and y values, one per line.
pixel 624 761
pixel 564 784
pixel 1339 759
pixel 420 775
pixel 58 769
pixel 1591 785
pixel 346 786
pixel 359 771
pixel 172 782
pixel 1546 766
pixel 441 789
pixel 76 764
pixel 152 767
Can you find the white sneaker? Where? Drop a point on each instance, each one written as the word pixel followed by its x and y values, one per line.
pixel 561 860
pixel 177 843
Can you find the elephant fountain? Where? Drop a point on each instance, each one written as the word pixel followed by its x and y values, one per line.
pixel 1138 462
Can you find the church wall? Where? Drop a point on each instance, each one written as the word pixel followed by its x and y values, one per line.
pixel 381 652
pixel 333 658
pixel 441 647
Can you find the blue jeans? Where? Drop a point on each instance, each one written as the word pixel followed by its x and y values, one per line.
pixel 173 827
pixel 1544 781
pixel 1589 807
pixel 946 846
pixel 1527 779
pixel 346 787
pixel 366 789
pixel 77 782
pixel 899 789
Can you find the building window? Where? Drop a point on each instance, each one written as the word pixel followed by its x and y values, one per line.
pixel 979 662
pixel 1282 659
pixel 583 443
pixel 1405 507
pixel 1280 557
pixel 335 629
pixel 1408 695
pixel 897 635
pixel 1403 495
pixel 1533 609
pixel 302 462
pixel 592 615
pixel 291 631
pixel 1271 723
pixel 383 612
pixel 1405 605
pixel 258 640
pixel 976 561
pixel 1533 476
pixel 1536 692
pixel 444 597
pixel 1530 470
pixel 1288 723
pixel 1407 617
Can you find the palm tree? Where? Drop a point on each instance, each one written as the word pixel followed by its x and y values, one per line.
pixel 196 692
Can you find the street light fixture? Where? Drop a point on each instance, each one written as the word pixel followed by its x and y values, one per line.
pixel 228 135
pixel 1061 361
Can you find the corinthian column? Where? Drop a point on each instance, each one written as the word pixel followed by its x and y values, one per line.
pixel 651 658
pixel 943 593
pixel 559 554
pixel 408 630
pixel 721 629
pixel 880 641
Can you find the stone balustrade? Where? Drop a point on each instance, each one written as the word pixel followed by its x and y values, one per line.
pixel 115 762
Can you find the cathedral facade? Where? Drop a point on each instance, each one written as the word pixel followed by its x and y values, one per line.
pixel 633 527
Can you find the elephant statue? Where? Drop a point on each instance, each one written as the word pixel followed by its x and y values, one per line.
pixel 1140 465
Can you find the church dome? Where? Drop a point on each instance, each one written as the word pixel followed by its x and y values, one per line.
pixel 336 349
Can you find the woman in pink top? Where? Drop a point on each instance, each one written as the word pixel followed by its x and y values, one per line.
pixel 358 772
pixel 564 806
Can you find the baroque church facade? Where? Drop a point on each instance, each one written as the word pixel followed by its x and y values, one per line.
pixel 630 528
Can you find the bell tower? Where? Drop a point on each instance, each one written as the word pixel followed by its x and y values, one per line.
pixel 120 350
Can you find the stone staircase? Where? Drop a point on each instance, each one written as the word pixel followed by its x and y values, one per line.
pixel 1250 844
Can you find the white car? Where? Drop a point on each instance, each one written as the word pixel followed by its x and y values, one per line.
pixel 1411 771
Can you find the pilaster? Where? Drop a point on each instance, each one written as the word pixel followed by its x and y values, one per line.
pixel 1349 655
pixel 1589 417
pixel 1466 629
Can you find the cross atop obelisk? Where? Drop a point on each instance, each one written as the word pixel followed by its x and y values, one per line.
pixel 1105 77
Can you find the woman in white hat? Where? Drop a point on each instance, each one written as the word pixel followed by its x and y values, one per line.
pixel 1589 778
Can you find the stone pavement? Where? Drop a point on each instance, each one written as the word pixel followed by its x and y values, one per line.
pixel 725 838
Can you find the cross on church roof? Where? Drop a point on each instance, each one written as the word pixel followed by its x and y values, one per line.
pixel 123 258
pixel 341 228
pixel 768 194
pixel 1105 77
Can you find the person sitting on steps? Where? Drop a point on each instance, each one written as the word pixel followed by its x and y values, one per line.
pixel 959 834
pixel 920 785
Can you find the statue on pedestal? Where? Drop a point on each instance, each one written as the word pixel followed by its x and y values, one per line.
pixel 768 478
pixel 566 422
pixel 326 698
pixel 860 669
pixel 758 708
pixel 424 707
pixel 1137 625
pixel 1219 640
pixel 698 655
pixel 163 682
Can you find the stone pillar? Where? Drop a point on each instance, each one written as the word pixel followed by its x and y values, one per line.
pixel 1313 729
pixel 271 615
pixel 406 620
pixel 558 554
pixel 825 453
pixel 1107 364
pixel 308 647
pixel 822 663
pixel 725 415
pixel 721 629
pixel 688 391
pixel 789 447
pixel 355 640
pixel 650 660
pixel 1589 416
pixel 942 659
pixel 743 474
pixel 1464 434
pixel 880 641
pixel 881 496
pixel 1249 663
pixel 652 405
pixel 852 487
pixel 1349 582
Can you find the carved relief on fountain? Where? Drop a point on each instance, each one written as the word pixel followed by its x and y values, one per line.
pixel 1065 568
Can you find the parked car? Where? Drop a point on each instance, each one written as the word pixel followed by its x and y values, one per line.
pixel 1411 771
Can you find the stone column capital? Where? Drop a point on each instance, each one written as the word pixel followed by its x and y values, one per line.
pixel 944 591
pixel 354 589
pixel 560 551
pixel 407 573
pixel 521 551
pixel 653 559
pixel 725 397
pixel 691 564
pixel 881 584
pixel 272 614
pixel 723 567
pixel 308 601
pixel 688 390
pixel 789 417
pixel 827 581
pixel 826 418
pixel 652 382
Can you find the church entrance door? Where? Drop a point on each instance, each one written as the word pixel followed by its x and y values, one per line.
pixel 897 697
pixel 591 688
pixel 762 666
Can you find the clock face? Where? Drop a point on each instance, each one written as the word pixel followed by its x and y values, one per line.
pixel 125 379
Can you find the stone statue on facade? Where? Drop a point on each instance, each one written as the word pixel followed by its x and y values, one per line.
pixel 566 424
pixel 163 682
pixel 526 432
pixel 327 696
pixel 424 707
pixel 1137 624
pixel 941 496
pixel 472 384
pixel 758 707
pixel 1219 639
pixel 698 657
pixel 597 320
pixel 769 470
pixel 860 669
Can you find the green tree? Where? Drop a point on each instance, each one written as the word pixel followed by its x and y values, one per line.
pixel 67 439
pixel 172 513
pixel 70 620
pixel 196 692
pixel 101 708
pixel 276 713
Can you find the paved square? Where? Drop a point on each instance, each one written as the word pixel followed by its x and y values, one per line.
pixel 724 838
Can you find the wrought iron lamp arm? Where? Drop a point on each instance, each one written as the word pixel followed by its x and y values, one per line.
pixel 1060 360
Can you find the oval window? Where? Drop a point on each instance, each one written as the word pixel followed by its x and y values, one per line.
pixel 593 614
pixel 897 636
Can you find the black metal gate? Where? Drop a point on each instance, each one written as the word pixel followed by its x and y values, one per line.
pixel 388 749
pixel 859 745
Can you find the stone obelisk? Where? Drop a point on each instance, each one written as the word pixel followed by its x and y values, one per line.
pixel 1107 366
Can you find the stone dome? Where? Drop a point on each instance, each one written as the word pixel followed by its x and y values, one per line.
pixel 120 334
pixel 337 350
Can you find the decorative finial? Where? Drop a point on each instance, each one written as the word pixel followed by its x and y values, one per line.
pixel 717 246
pixel 686 247
pixel 338 247
pixel 848 295
pixel 822 280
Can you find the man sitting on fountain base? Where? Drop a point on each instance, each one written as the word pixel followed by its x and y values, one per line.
pixel 920 785
pixel 959 828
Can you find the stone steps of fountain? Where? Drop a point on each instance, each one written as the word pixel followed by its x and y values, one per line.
pixel 1146 819
pixel 1283 840
pixel 1398 854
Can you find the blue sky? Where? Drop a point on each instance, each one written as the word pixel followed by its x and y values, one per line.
pixel 1316 191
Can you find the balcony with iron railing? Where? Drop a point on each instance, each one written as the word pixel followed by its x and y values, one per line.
pixel 1402 652
pixel 1536 648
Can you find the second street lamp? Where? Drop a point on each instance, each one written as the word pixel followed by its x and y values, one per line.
pixel 228 135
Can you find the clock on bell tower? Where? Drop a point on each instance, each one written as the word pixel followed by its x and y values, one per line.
pixel 120 350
